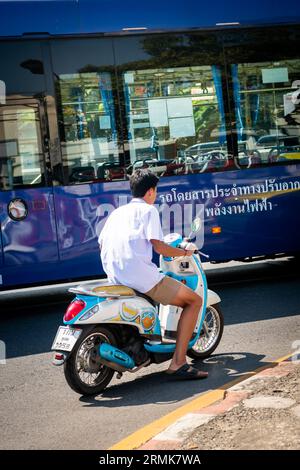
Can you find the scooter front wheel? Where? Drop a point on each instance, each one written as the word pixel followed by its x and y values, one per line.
pixel 211 334
pixel 83 372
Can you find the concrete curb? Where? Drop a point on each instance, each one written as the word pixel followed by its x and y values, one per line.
pixel 174 435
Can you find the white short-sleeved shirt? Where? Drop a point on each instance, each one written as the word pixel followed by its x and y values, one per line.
pixel 126 250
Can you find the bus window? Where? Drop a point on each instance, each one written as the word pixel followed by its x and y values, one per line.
pixel 86 101
pixel 22 67
pixel 21 153
pixel 175 119
pixel 88 127
pixel 267 111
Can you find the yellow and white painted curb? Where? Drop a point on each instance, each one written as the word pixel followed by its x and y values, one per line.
pixel 171 430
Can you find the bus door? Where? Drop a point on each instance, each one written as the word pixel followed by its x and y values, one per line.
pixel 28 229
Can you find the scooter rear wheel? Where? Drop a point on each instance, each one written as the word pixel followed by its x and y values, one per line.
pixel 211 334
pixel 83 372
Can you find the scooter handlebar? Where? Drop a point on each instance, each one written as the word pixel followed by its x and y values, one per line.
pixel 203 254
pixel 185 246
pixel 196 252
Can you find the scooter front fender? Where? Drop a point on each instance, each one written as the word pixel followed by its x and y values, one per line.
pixel 212 298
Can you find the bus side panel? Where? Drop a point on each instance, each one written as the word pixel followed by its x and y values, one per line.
pixel 1 245
pixel 247 213
pixel 32 240
pixel 81 211
pixel 255 212
pixel 90 16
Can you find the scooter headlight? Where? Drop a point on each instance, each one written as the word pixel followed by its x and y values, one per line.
pixel 89 313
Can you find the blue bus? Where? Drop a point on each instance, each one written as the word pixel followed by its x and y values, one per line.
pixel 206 95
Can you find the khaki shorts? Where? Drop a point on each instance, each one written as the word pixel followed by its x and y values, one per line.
pixel 165 291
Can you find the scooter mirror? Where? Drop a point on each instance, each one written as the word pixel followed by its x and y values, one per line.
pixel 196 225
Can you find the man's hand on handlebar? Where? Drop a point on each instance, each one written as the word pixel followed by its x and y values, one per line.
pixel 188 252
pixel 166 250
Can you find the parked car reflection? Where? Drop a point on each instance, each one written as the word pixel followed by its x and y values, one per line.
pixel 210 161
pixel 161 167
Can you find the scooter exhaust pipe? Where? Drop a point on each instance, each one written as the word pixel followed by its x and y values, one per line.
pixel 115 358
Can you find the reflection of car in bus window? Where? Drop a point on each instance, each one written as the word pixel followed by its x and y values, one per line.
pixel 210 161
pixel 111 172
pixel 276 148
pixel 197 149
pixel 161 167
pixel 82 174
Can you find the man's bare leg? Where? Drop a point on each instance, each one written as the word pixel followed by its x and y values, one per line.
pixel 191 304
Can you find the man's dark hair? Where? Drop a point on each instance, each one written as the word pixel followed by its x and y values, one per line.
pixel 141 181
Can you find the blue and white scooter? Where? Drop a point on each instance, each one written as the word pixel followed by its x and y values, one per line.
pixel 111 328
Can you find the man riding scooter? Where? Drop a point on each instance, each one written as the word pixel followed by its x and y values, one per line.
pixel 127 241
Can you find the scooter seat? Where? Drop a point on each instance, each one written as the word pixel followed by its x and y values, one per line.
pixel 106 290
pixel 122 291
pixel 109 289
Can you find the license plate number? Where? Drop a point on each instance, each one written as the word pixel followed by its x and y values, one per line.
pixel 65 339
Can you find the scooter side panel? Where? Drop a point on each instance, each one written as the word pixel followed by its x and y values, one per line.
pixel 130 311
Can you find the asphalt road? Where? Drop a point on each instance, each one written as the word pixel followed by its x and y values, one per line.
pixel 261 305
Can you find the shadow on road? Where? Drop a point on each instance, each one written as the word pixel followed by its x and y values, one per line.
pixel 157 387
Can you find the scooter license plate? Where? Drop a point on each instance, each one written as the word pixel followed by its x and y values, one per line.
pixel 65 338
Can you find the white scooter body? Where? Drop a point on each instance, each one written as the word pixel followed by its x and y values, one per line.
pixel 124 310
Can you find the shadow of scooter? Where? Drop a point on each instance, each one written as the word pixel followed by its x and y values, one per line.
pixel 153 388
